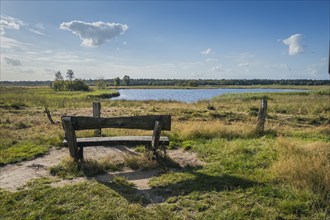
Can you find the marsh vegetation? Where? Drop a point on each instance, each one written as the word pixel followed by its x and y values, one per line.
pixel 284 174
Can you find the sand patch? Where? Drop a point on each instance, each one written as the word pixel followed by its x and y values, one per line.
pixel 15 176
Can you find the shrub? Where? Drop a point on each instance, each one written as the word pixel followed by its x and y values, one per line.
pixel 78 85
pixel 75 85
pixel 59 85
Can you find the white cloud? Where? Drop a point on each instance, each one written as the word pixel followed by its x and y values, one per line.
pixel 294 43
pixel 207 51
pixel 211 60
pixel 324 59
pixel 12 61
pixel 7 22
pixel 217 68
pixel 29 71
pixel 318 70
pixel 36 31
pixel 40 26
pixel 245 64
pixel 94 34
pixel 8 43
pixel 50 71
pixel 280 67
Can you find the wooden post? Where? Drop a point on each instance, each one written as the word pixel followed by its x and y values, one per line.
pixel 97 114
pixel 262 117
pixel 156 137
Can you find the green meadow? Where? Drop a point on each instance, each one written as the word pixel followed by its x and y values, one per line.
pixel 283 174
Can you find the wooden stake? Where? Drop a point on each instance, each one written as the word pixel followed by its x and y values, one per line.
pixel 97 114
pixel 262 117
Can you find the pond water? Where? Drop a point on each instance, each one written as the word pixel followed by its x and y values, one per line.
pixel 186 95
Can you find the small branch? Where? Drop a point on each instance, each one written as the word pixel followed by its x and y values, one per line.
pixel 50 117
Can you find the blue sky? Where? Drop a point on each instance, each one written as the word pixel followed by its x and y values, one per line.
pixel 165 39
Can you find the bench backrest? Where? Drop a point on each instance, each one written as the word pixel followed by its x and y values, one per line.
pixel 146 122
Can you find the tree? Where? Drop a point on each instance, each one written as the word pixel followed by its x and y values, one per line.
pixel 58 84
pixel 79 85
pixel 193 83
pixel 126 80
pixel 58 75
pixel 70 76
pixel 116 81
pixel 101 83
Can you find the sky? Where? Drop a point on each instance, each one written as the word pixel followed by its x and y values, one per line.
pixel 165 39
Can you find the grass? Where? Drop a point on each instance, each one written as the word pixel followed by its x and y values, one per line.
pixel 281 175
pixel 304 165
pixel 68 169
pixel 23 97
pixel 20 152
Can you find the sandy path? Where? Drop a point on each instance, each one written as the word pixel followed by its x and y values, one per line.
pixel 14 176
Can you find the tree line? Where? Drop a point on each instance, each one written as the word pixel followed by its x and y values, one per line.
pixel 71 83
pixel 127 81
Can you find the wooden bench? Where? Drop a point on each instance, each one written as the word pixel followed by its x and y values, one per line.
pixel 157 123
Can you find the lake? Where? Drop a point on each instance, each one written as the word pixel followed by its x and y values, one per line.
pixel 186 95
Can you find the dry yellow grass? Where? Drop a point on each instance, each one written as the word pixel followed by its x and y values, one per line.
pixel 212 129
pixel 304 165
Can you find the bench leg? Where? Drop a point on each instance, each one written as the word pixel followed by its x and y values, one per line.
pixel 81 153
pixel 70 136
pixel 80 158
pixel 163 147
pixel 155 137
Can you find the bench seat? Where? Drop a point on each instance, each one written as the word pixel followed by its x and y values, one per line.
pixel 118 140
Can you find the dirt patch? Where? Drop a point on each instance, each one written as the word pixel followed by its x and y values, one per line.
pixel 185 158
pixel 15 176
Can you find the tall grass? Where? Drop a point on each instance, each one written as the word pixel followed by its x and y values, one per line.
pixel 212 129
pixel 306 166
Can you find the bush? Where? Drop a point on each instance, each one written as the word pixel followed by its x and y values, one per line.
pixel 58 85
pixel 77 85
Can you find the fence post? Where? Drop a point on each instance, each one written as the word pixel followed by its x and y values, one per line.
pixel 262 117
pixel 97 114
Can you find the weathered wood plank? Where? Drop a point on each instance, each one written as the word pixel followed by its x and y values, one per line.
pixel 70 136
pixel 156 135
pixel 97 114
pixel 146 122
pixel 262 117
pixel 118 140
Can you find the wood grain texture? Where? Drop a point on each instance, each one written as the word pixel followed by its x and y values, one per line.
pixel 118 140
pixel 97 114
pixel 70 136
pixel 262 117
pixel 156 135
pixel 146 122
